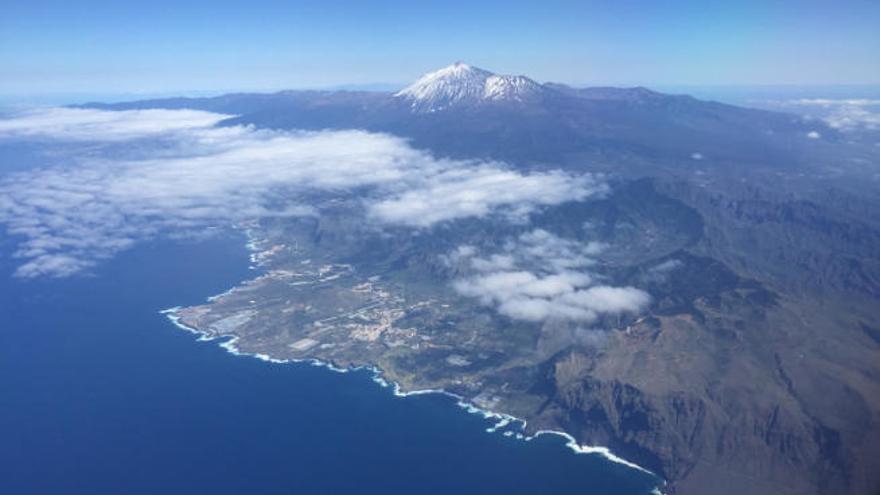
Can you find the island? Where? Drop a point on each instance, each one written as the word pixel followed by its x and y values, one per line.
pixel 718 378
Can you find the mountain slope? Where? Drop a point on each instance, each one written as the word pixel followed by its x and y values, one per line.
pixel 465 111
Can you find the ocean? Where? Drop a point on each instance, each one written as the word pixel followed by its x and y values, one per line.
pixel 101 394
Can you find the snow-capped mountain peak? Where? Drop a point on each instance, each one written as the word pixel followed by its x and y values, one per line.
pixel 461 83
pixel 510 87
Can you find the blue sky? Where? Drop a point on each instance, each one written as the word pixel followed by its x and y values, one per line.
pixel 172 46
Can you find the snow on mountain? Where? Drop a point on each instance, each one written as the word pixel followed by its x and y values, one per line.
pixel 460 83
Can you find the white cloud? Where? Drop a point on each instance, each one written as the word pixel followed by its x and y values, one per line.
pixel 494 263
pixel 666 266
pixel 829 102
pixel 843 114
pixel 613 300
pixel 80 124
pixel 541 277
pixel 849 117
pixel 475 191
pixel 554 253
pixel 813 135
pixel 660 273
pixel 196 175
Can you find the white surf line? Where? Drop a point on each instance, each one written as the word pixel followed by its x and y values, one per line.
pixel 590 449
pixel 171 314
pixel 253 247
pixel 225 293
pixel 506 419
pixel 230 345
pixel 503 419
pixel 498 425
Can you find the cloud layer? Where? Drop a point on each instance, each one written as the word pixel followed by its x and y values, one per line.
pixel 476 191
pixel 180 173
pixel 843 114
pixel 81 124
pixel 541 277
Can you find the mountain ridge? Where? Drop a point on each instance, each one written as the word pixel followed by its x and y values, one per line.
pixel 463 111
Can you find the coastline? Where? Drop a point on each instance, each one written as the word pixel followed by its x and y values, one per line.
pixel 502 420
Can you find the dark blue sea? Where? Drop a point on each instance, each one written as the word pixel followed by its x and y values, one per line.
pixel 100 394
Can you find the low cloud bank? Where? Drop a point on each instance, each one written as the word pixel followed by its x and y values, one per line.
pixel 182 174
pixel 465 192
pixel 540 277
pixel 843 114
pixel 82 124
